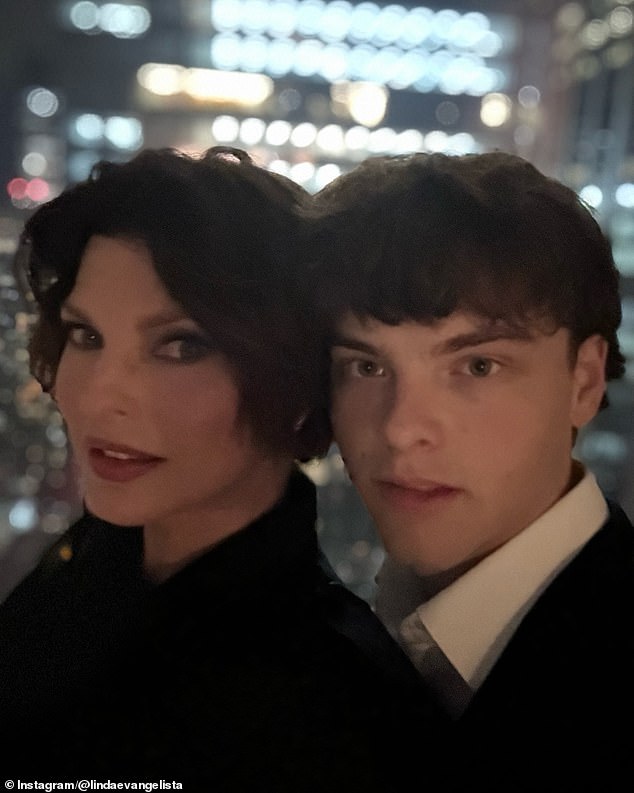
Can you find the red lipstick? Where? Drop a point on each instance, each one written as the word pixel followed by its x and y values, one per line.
pixel 115 462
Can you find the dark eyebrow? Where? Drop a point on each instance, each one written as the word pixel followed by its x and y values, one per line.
pixel 484 335
pixel 148 323
pixel 353 344
pixel 480 335
pixel 68 308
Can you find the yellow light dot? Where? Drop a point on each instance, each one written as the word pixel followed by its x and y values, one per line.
pixel 65 553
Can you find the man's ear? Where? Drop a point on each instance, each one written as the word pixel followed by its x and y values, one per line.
pixel 588 380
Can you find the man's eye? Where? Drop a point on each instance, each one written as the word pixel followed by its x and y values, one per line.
pixel 184 348
pixel 482 367
pixel 367 369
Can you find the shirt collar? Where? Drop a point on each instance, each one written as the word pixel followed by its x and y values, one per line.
pixel 469 619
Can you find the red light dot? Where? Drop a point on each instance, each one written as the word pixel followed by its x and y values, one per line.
pixel 17 188
pixel 37 190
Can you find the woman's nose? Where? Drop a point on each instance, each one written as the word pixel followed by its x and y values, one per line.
pixel 111 384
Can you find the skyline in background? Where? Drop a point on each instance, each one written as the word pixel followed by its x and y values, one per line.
pixel 309 88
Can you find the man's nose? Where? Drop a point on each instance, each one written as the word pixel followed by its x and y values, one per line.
pixel 413 414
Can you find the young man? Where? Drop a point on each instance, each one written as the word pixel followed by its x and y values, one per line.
pixel 472 306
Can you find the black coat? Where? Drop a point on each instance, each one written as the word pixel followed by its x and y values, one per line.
pixel 252 669
pixel 555 712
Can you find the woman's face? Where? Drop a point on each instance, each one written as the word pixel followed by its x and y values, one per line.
pixel 152 409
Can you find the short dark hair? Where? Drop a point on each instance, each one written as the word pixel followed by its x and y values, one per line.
pixel 417 237
pixel 224 238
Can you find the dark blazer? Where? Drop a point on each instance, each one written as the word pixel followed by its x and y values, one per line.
pixel 555 712
pixel 253 669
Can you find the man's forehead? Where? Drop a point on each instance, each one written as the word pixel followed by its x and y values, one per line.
pixel 457 323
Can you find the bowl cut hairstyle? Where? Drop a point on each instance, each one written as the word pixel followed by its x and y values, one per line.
pixel 417 237
pixel 224 237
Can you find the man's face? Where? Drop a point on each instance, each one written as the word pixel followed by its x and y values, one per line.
pixel 458 434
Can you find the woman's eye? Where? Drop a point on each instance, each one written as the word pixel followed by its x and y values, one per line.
pixel 184 348
pixel 83 337
pixel 482 367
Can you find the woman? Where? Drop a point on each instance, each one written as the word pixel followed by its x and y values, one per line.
pixel 185 628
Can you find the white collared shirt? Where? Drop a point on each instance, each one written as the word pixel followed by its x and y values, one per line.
pixel 469 619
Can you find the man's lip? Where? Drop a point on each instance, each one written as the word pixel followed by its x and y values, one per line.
pixel 118 450
pixel 416 495
pixel 417 485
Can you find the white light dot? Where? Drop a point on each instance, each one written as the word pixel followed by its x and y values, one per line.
pixel 34 163
pixel 303 135
pixel 625 195
pixel 592 195
pixel 42 102
pixel 23 515
pixel 225 129
pixel 278 133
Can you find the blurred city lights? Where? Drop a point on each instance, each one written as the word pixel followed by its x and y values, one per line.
pixel 367 103
pixel 252 131
pixel 84 16
pixel 163 79
pixel 620 21
pixel 119 132
pixel 42 102
pixel 34 163
pixel 278 133
pixel 303 135
pixel 624 195
pixel 80 163
pixel 524 135
pixel 89 127
pixel 37 190
pixel 333 140
pixel 529 96
pixel 591 195
pixel 122 20
pixel 325 174
pixel 383 139
pixel 302 172
pixel 23 515
pixel 595 33
pixel 17 188
pixel 356 138
pixel 393 46
pixel 436 141
pixel 25 193
pixel 205 86
pixel 225 129
pixel 362 102
pixel 215 86
pixel 570 16
pixel 124 133
pixel 495 109
pixel 330 139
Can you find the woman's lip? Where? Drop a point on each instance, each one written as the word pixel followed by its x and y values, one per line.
pixel 120 469
pixel 117 450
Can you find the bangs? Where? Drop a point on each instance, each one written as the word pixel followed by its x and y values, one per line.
pixel 484 271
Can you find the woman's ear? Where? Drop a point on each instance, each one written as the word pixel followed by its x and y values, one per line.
pixel 588 380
